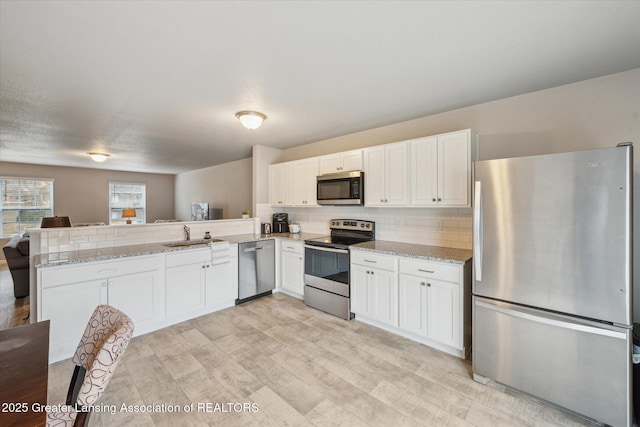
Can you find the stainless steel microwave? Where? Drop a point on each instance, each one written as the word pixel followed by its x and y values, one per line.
pixel 342 188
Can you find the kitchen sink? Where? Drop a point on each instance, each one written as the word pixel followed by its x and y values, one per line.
pixel 192 242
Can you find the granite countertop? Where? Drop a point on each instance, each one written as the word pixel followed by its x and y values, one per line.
pixel 431 253
pixel 103 254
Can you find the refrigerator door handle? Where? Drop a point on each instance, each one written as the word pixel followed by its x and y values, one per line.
pixel 477 231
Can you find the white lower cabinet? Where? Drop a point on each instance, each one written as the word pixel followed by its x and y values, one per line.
pixel 200 281
pixel 374 287
pixel 221 283
pixel 432 301
pixel 155 291
pixel 292 267
pixel 430 308
pixel 186 278
pixel 68 296
pixel 426 301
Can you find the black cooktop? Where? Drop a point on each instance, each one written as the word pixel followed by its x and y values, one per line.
pixel 344 233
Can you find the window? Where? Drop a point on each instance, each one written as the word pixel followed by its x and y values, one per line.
pixel 127 196
pixel 25 201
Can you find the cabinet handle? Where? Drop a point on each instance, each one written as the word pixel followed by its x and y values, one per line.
pixel 203 266
pixel 439 199
pixel 428 285
pixel 107 271
pixel 433 200
pixel 422 284
pixel 368 260
pixel 381 200
pixel 289 247
pixel 104 284
pixel 426 271
pixel 386 201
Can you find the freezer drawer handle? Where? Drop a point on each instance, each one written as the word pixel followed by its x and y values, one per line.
pixel 566 324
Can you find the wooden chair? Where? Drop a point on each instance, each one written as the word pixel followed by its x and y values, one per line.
pixel 103 343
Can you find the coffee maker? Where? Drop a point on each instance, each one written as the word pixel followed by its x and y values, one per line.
pixel 280 223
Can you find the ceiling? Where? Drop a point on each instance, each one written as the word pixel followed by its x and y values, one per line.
pixel 157 83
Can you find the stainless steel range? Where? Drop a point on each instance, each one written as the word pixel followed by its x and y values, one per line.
pixel 326 266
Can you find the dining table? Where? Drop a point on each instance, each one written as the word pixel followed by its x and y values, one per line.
pixel 24 372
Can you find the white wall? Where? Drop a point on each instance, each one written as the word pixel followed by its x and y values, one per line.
pixel 227 186
pixel 590 114
pixel 82 194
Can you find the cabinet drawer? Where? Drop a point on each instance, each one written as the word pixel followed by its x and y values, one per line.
pixel 295 247
pixel 430 269
pixel 62 275
pixel 385 262
pixel 188 257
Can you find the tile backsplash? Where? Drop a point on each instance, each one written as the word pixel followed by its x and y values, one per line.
pixel 448 227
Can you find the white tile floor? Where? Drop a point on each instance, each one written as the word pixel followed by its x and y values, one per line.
pixel 275 361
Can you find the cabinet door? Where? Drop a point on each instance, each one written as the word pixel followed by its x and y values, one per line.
pixel 424 171
pixel 351 161
pixel 374 175
pixel 276 183
pixel 359 289
pixel 311 173
pixel 292 272
pixel 454 169
pixel 69 308
pixel 443 312
pixel 185 288
pixel 413 304
pixel 384 296
pixel 137 295
pixel 329 164
pixel 298 184
pixel 396 175
pixel 233 254
pixel 220 289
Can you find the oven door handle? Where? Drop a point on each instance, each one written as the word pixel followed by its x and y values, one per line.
pixel 322 248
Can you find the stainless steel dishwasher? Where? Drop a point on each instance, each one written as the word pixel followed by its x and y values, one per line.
pixel 256 269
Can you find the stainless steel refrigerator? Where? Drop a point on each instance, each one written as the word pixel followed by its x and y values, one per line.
pixel 552 288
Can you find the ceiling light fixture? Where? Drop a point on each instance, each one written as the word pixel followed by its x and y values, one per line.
pixel 251 119
pixel 98 157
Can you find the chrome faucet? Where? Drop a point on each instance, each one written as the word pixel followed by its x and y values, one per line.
pixel 187 232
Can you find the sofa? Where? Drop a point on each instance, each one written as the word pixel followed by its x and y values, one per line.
pixel 16 251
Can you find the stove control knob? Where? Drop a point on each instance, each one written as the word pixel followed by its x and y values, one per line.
pixel 368 225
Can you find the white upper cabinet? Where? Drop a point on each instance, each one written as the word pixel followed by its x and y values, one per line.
pixel 280 184
pixel 434 171
pixel 303 182
pixel 441 170
pixel 341 162
pixel 293 183
pixel 387 175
